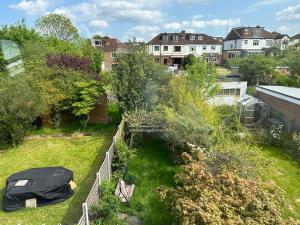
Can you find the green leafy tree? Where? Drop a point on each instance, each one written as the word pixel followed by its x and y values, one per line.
pixel 202 77
pixel 87 95
pixel 258 69
pixel 59 26
pixel 137 80
pixel 19 107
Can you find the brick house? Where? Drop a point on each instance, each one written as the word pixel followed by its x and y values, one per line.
pixel 110 47
pixel 172 48
pixel 284 103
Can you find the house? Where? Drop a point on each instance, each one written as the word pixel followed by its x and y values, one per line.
pixel 173 48
pixel 282 41
pixel 295 39
pixel 243 41
pixel 284 103
pixel 110 47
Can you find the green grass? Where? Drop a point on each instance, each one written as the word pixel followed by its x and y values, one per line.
pixel 152 168
pixel 285 172
pixel 81 155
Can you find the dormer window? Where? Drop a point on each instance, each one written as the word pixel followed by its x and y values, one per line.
pixel 175 38
pixel 246 31
pixel 193 38
pixel 200 38
pixel 97 42
pixel 165 37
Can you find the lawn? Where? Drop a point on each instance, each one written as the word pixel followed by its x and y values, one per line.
pixel 82 155
pixel 152 168
pixel 285 172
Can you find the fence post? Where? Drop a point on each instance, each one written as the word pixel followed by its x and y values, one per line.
pixel 86 213
pixel 108 165
pixel 99 178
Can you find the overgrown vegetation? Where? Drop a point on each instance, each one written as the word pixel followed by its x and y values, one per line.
pixel 62 77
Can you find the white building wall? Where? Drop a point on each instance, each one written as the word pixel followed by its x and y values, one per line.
pixel 233 99
pixel 185 50
pixel 240 44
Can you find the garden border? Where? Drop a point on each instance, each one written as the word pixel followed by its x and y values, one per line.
pixel 103 174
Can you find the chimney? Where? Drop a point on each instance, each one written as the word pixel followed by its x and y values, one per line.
pixel 183 31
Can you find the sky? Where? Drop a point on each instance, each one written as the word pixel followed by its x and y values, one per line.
pixel 144 19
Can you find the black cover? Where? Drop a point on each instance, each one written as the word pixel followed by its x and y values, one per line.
pixel 48 185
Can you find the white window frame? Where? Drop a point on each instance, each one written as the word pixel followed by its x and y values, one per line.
pixel 204 47
pixel 255 41
pixel 200 38
pixel 213 47
pixel 246 42
pixel 179 47
pixel 193 38
pixel 156 48
pixel 167 48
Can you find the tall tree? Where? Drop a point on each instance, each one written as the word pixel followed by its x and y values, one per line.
pixel 59 26
pixel 137 80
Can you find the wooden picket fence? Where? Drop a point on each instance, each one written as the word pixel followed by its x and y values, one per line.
pixel 103 174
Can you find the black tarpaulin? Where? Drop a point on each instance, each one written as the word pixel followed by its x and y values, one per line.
pixel 46 185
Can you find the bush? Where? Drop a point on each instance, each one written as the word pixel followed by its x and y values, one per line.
pixel 223 198
pixel 20 105
pixel 105 211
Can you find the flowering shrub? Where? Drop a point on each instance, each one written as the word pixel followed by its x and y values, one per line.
pixel 68 62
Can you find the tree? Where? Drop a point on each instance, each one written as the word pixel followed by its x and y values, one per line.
pixel 20 105
pixel 59 26
pixel 201 197
pixel 137 80
pixel 87 95
pixel 257 69
pixel 202 77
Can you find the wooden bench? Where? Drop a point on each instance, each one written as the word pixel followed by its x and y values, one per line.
pixel 124 192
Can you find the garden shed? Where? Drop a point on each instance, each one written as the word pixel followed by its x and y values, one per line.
pixel 253 111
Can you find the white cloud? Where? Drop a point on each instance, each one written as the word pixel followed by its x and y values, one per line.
pixel 98 24
pixel 291 13
pixel 283 29
pixel 31 8
pixel 117 10
pixel 199 24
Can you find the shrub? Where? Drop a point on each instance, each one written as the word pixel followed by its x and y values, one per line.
pixel 68 62
pixel 224 198
pixel 19 107
pixel 105 211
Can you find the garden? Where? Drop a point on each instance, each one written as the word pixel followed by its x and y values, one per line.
pixel 186 162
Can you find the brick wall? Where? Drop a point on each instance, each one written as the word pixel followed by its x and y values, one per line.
pixel 287 111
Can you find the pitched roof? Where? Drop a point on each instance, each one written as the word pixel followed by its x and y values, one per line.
pixel 112 44
pixel 279 35
pixel 297 36
pixel 249 33
pixel 184 38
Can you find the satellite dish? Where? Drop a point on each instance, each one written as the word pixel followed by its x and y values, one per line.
pixel 12 57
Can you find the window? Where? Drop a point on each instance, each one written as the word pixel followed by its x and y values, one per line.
pixel 231 46
pixel 166 48
pixel 269 43
pixel 156 48
pixel 204 47
pixel 255 42
pixel 175 38
pixel 246 31
pixel 113 54
pixel 192 48
pixel 214 59
pixel 177 48
pixel 165 38
pixel 246 42
pixel 193 38
pixel 200 38
pixel 213 47
pixel 230 92
pixel 98 42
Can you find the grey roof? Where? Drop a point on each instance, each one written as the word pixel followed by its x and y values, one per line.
pixel 287 91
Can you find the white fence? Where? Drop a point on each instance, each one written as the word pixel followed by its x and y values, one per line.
pixel 103 174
